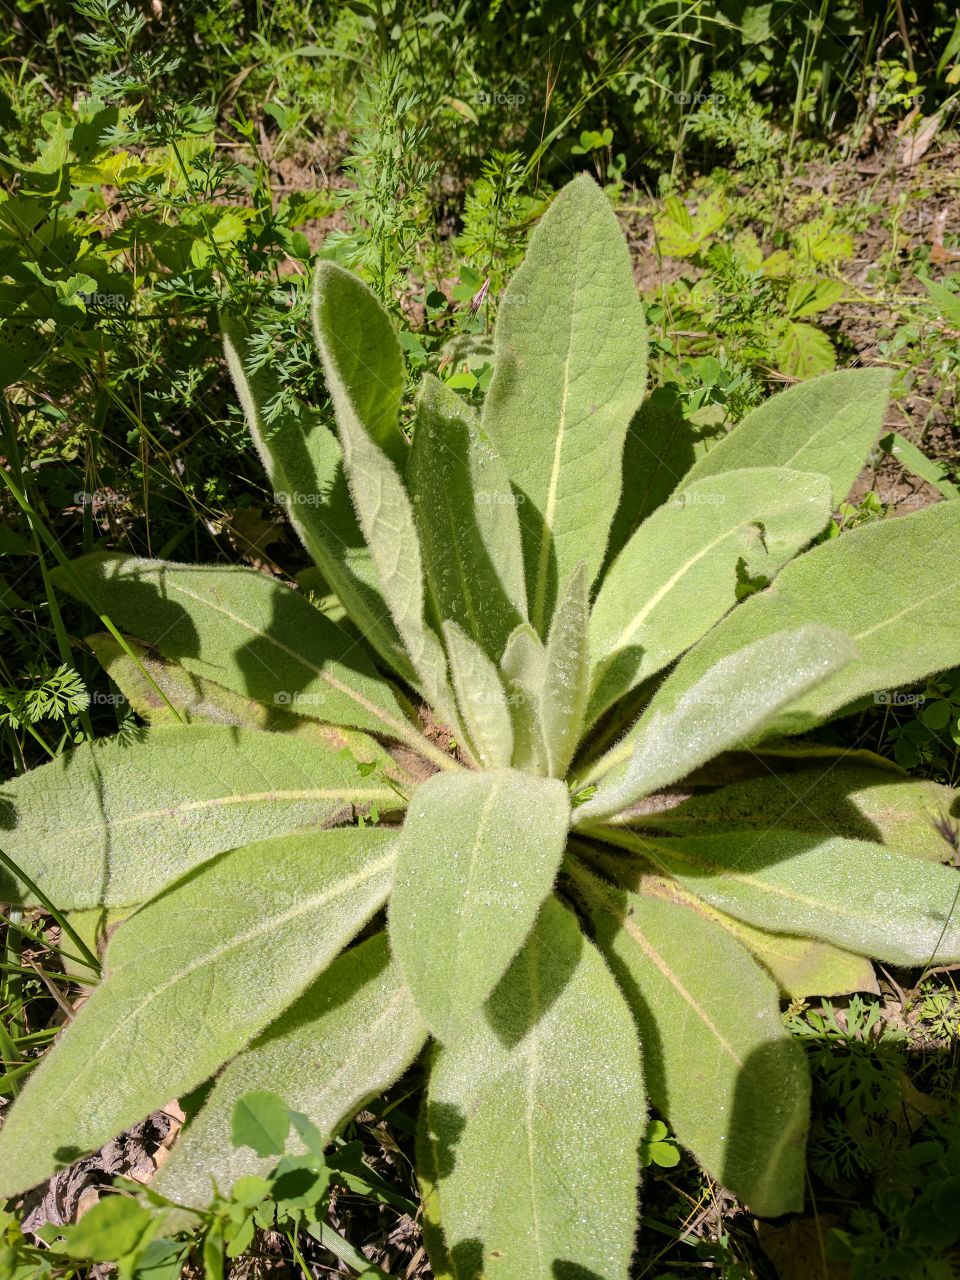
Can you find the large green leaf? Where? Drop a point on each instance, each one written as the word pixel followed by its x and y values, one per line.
pixel 248 632
pixel 111 822
pixel 717 1060
pixel 189 980
pixel 801 967
pixel 466 517
pixel 566 674
pixel 533 1120
pixel 477 855
pixel 481 698
pixel 687 561
pixel 304 464
pixel 571 369
pixel 349 1037
pixel 165 693
pixel 727 706
pixel 825 425
pixel 839 798
pixel 347 320
pixel 893 587
pixel 857 895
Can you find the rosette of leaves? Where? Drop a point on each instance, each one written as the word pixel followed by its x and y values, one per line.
pixel 628 858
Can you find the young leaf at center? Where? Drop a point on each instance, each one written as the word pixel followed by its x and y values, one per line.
pixel 477 856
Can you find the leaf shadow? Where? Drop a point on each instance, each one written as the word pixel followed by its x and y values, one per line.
pixel 662 445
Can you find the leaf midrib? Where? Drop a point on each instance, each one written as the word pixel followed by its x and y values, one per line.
pixel 640 617
pixel 550 506
pixel 248 797
pixel 400 730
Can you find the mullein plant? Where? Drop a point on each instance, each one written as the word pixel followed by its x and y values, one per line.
pixel 593 904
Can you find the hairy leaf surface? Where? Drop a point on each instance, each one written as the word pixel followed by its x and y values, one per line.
pixel 348 1038
pixel 481 698
pixel 571 369
pixel 854 800
pixel 717 1060
pixel 523 665
pixel 533 1120
pixel 466 517
pixel 731 703
pixel 198 700
pixel 861 896
pixel 477 855
pixel 680 572
pixel 347 321
pixel 893 587
pixel 304 464
pixel 248 632
pixel 566 674
pixel 825 425
pixel 112 822
pixel 189 980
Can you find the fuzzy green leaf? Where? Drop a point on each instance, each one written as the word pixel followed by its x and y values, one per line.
pixel 346 1039
pixel 893 587
pixel 687 560
pixel 200 701
pixel 801 967
pixel 853 800
pixel 524 669
pixel 189 980
pixel 857 895
pixel 304 464
pixel 661 447
pixel 570 371
pixel 112 822
pixel 717 1060
pixel 566 674
pixel 534 1119
pixel 730 704
pixel 248 632
pixel 477 855
pixel 826 425
pixel 481 698
pixel 347 320
pixel 466 517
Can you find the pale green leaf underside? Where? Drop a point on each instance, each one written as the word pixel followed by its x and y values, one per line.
pixel 893 587
pixel 534 1118
pixel 861 896
pixel 826 425
pixel 481 698
pixel 730 704
pixel 304 464
pixel 466 518
pixel 477 855
pixel 248 632
pixel 717 1060
pixel 570 371
pixel 189 980
pixel 383 508
pixel 678 574
pixel 348 1038
pixel 111 823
